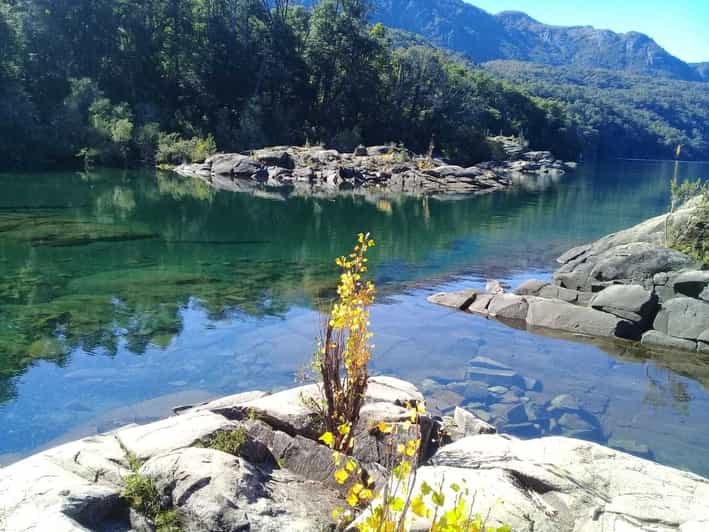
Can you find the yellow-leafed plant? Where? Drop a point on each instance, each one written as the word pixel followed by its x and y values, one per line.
pixel 342 361
pixel 345 349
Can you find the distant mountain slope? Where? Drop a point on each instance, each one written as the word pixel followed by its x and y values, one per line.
pixel 621 114
pixel 702 69
pixel 483 37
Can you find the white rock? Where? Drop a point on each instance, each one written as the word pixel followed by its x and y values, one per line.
pixel 577 480
pixel 146 441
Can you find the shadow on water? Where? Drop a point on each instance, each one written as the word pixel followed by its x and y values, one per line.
pixel 112 265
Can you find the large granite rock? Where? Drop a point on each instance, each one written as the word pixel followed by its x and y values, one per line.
pixel 457 300
pixel 657 339
pixel 630 302
pixel 562 316
pixel 234 165
pixel 693 284
pixel 293 411
pixel 214 491
pixel 684 317
pixel 633 263
pixel 508 306
pixel 632 256
pixel 562 484
pixel 146 441
pixel 39 495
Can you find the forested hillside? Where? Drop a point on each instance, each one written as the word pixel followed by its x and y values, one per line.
pixel 617 114
pixel 119 81
pixel 127 82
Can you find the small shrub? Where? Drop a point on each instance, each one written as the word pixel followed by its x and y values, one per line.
pixel 692 237
pixel 134 462
pixel 142 495
pixel 167 521
pixel 174 150
pixel 229 442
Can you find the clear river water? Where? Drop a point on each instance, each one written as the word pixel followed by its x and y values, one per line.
pixel 123 294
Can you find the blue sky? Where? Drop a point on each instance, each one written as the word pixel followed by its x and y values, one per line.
pixel 680 26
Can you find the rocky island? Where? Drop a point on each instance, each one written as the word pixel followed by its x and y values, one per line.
pixel 629 285
pixel 387 169
pixel 279 476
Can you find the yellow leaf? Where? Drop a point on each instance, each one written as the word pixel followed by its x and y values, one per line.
pixel 397 504
pixel 350 465
pixel 352 499
pixel 357 488
pixel 366 494
pixel 401 448
pixel 344 429
pixel 328 439
pixel 341 476
pixel 418 507
pixel 426 488
pixel 384 428
pixel 411 447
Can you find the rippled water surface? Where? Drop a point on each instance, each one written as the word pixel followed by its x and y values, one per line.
pixel 125 294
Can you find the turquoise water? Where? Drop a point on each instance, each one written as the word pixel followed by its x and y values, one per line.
pixel 124 294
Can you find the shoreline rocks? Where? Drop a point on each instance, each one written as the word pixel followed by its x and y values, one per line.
pixel 626 286
pixel 283 481
pixel 384 169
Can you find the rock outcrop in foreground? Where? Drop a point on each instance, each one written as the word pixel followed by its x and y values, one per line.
pixel 387 169
pixel 627 285
pixel 282 477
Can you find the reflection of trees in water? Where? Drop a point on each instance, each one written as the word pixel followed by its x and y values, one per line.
pixel 157 241
pixel 665 389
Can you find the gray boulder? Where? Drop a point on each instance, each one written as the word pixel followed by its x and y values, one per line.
pixel 146 441
pixel 379 150
pixel 631 302
pixel 235 165
pixel 464 424
pixel 275 157
pixel 558 292
pixel 509 306
pixel 631 263
pixel 217 492
pixel 683 317
pixel 531 287
pixel 693 284
pixel 224 405
pixel 562 316
pixel 458 300
pixel 294 411
pixel 658 339
pixel 39 495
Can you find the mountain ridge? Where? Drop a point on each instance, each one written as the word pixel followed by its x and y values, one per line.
pixel 514 35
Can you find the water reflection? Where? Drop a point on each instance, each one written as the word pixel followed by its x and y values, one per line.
pixel 214 292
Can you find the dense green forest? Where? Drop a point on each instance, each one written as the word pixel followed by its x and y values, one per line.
pixel 119 81
pixel 127 82
pixel 620 114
